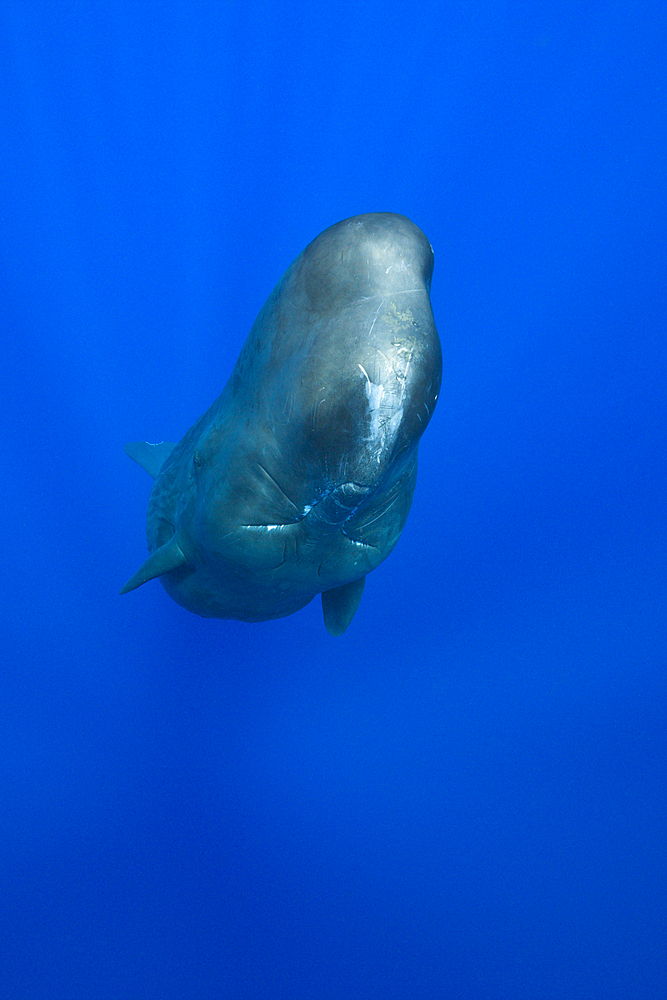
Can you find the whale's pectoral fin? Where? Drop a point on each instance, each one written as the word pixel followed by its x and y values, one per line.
pixel 150 457
pixel 340 604
pixel 168 556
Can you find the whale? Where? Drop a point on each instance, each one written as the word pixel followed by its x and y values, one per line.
pixel 299 478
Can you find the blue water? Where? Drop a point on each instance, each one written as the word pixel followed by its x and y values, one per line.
pixel 465 795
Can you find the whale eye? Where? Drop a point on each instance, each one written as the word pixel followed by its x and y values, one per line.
pixel 197 460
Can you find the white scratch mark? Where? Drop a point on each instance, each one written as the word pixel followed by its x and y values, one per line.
pixel 377 313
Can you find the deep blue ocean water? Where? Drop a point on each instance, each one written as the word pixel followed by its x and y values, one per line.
pixel 465 795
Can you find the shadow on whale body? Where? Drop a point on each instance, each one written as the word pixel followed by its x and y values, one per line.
pixel 299 478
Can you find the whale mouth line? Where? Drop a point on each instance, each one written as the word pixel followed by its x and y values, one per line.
pixel 290 524
pixel 355 541
pixel 268 527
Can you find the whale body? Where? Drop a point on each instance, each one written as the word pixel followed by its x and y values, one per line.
pixel 298 480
